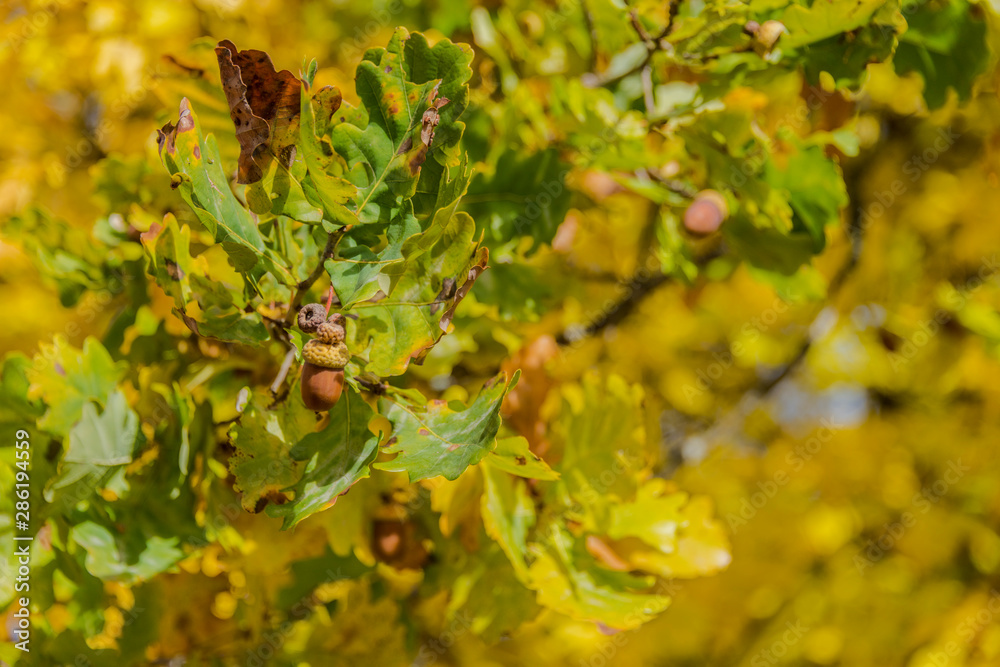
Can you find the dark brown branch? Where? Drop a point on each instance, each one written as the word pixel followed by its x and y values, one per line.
pixel 639 289
pixel 332 241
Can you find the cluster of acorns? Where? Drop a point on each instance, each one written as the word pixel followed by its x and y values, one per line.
pixel 325 357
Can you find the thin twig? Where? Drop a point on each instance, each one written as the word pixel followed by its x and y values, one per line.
pixel 286 365
pixel 592 32
pixel 633 17
pixel 653 44
pixel 647 89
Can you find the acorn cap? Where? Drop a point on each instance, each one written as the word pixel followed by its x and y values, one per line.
pixel 318 353
pixel 328 332
pixel 311 316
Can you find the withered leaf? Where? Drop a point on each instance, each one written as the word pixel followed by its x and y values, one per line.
pixel 428 122
pixel 167 135
pixel 264 105
pixel 431 118
pixel 476 270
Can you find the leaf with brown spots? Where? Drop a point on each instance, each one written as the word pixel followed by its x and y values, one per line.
pixel 512 455
pixel 433 439
pixel 193 160
pixel 216 312
pixel 323 184
pixel 262 465
pixel 476 270
pixel 336 458
pixel 438 269
pixel 400 89
pixel 264 106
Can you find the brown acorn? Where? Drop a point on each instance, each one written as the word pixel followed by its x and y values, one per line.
pixel 706 213
pixel 325 358
pixel 321 386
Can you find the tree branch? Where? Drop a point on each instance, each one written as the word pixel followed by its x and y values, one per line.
pixel 618 312
pixel 332 241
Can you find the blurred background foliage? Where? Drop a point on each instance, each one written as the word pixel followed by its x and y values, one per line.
pixel 822 377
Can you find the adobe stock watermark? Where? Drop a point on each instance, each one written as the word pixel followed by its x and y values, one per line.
pixel 750 332
pixel 605 653
pixel 915 167
pixel 775 652
pixel 795 460
pixel 264 653
pixel 117 112
pixel 751 167
pixel 576 333
pixel 922 501
pixel 931 327
pixel 968 630
pixel 381 16
pixel 29 25
pixel 596 487
pixel 432 649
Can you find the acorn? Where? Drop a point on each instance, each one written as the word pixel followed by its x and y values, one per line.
pixel 325 357
pixel 767 35
pixel 706 213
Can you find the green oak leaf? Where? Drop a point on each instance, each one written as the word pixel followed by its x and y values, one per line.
pixel 110 559
pixel 512 455
pixel 946 44
pixel 508 515
pixel 68 379
pixel 15 406
pixel 489 598
pixel 323 184
pixel 601 428
pixel 847 61
pixel 813 186
pixel 207 306
pixel 263 465
pixel 337 457
pixel 107 439
pixel 768 249
pixel 437 440
pixel 681 537
pixel 402 89
pixel 359 273
pixel 526 195
pixel 569 581
pixel 63 252
pixel 280 192
pixel 444 264
pixel 194 162
pixel 808 24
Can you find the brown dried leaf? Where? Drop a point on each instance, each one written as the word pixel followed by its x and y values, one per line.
pixel 475 271
pixel 428 122
pixel 264 105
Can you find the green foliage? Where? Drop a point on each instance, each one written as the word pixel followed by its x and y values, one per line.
pixel 435 439
pixel 534 327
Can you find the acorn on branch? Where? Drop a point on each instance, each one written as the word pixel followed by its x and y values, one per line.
pixel 325 357
pixel 706 213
